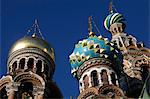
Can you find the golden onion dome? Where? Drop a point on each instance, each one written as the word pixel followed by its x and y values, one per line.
pixel 35 42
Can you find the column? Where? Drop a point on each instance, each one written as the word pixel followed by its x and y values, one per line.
pixel 99 78
pixel 42 70
pixel 81 87
pixel 26 61
pixel 11 88
pixel 17 65
pixel 109 77
pixel 116 80
pixel 90 81
pixel 34 66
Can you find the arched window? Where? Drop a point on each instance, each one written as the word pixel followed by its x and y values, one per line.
pixel 94 78
pixel 130 41
pixel 113 78
pixel 86 81
pixel 14 66
pixel 39 66
pixel 22 63
pixel 115 30
pixel 80 84
pixel 25 91
pixel 119 29
pixel 104 77
pixel 30 63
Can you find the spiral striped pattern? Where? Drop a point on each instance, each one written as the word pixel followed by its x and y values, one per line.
pixel 113 18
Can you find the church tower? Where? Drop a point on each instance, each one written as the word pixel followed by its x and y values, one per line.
pixel 97 64
pixel 136 57
pixel 116 69
pixel 30 69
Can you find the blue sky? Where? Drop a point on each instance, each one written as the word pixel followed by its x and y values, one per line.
pixel 63 23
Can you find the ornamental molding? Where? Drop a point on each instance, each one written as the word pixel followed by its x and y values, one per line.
pixel 111 88
pixel 141 60
pixel 92 91
pixel 26 52
pixel 5 80
pixel 137 52
pixel 95 62
pixel 35 79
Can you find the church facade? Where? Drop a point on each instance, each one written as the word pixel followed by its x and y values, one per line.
pixel 119 68
pixel 30 68
pixel 105 69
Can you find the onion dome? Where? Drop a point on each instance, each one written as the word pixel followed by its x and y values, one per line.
pixel 32 42
pixel 92 47
pixel 113 18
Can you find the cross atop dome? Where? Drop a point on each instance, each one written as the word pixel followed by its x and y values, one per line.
pixel 90 26
pixel 112 8
pixel 34 30
pixel 114 22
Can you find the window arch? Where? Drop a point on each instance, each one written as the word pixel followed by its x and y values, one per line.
pixel 25 91
pixel 30 63
pixel 130 41
pixel 86 81
pixel 94 77
pixel 39 66
pixel 22 63
pixel 104 77
pixel 113 78
pixel 115 30
pixel 14 66
pixel 119 29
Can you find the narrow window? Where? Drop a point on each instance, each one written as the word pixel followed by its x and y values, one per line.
pixel 130 41
pixel 22 63
pixel 115 29
pixel 94 77
pixel 104 77
pixel 113 78
pixel 86 81
pixel 14 66
pixel 119 29
pixel 30 63
pixel 39 66
pixel 25 91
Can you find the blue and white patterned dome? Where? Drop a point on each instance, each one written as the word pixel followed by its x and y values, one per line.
pixel 113 18
pixel 92 47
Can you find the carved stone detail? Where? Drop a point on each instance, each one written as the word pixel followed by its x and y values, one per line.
pixel 93 62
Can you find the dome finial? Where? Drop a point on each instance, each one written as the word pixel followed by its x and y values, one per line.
pixel 90 26
pixel 34 30
pixel 111 6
